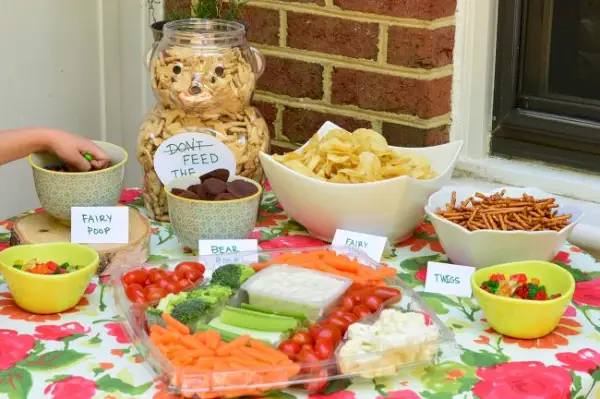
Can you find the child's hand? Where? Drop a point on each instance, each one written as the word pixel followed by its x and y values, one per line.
pixel 71 148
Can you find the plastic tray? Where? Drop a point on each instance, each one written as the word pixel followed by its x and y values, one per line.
pixel 245 379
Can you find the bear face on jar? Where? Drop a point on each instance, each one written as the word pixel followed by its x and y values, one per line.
pixel 210 74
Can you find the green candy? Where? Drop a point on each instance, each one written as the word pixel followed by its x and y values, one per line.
pixel 88 156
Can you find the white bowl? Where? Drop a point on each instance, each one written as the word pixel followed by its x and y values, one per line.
pixel 483 248
pixel 390 208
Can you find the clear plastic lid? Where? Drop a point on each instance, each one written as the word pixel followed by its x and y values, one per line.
pixel 393 355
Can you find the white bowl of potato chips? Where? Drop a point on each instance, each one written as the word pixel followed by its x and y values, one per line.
pixel 355 181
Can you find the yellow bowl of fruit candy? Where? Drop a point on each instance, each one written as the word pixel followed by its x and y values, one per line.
pixel 500 291
pixel 48 278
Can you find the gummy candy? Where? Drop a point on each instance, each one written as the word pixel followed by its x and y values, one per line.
pixel 517 286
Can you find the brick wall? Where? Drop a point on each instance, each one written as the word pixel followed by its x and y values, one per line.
pixel 384 64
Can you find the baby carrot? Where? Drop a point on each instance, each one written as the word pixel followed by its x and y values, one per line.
pixel 213 338
pixel 386 272
pixel 193 343
pixel 267 350
pixel 227 349
pixel 172 322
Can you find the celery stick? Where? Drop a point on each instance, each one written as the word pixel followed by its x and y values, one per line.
pixel 256 320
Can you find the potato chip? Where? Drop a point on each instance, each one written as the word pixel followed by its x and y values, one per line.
pixel 359 157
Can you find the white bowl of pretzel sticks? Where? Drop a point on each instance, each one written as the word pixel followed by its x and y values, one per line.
pixel 506 225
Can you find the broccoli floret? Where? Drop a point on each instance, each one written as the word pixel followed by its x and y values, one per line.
pixel 190 311
pixel 170 301
pixel 154 316
pixel 212 293
pixel 232 275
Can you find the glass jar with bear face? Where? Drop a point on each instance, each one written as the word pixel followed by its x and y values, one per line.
pixel 203 74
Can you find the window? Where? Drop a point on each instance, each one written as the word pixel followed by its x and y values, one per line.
pixel 547 82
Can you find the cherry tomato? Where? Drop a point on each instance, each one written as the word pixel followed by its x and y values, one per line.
pixel 309 360
pixel 324 349
pixel 340 312
pixel 307 348
pixel 156 275
pixel 339 322
pixel 302 337
pixel 171 288
pixel 163 283
pixel 351 318
pixel 183 284
pixel 155 295
pixel 330 333
pixel 348 303
pixel 151 287
pixel 290 348
pixel 373 303
pixel 386 293
pixel 135 291
pixel 187 266
pixel 314 331
pixel 138 276
pixel 360 295
pixel 361 311
pixel 318 384
pixel 193 275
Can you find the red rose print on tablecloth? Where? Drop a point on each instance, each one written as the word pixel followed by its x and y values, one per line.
pixel 531 380
pixel 116 330
pixel 562 257
pixel 403 394
pixel 14 348
pixel 129 195
pixel 423 236
pixel 586 360
pixel 268 219
pixel 61 331
pixel 421 274
pixel 9 308
pixel 267 186
pixel 587 293
pixel 90 288
pixel 335 395
pixel 71 388
pixel 292 242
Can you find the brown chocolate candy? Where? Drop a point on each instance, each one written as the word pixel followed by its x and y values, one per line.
pixel 177 191
pixel 199 190
pixel 221 174
pixel 241 188
pixel 188 194
pixel 214 186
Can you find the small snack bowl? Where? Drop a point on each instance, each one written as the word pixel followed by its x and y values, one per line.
pixel 59 191
pixel 197 219
pixel 54 293
pixel 520 318
pixel 486 247
pixel 390 208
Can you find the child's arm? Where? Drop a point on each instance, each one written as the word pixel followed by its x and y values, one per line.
pixel 17 144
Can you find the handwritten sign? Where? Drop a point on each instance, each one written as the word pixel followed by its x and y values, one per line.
pixel 100 225
pixel 226 251
pixel 189 154
pixel 447 279
pixel 370 244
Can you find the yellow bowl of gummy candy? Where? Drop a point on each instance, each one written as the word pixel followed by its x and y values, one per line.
pixel 48 293
pixel 507 312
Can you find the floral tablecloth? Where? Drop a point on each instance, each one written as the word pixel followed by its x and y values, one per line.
pixel 84 353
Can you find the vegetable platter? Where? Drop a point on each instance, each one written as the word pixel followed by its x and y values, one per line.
pixel 287 318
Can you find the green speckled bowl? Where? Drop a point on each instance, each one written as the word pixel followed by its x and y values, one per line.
pixel 59 191
pixel 195 220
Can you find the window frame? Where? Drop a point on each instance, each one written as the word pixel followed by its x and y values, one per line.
pixel 532 134
pixel 472 112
